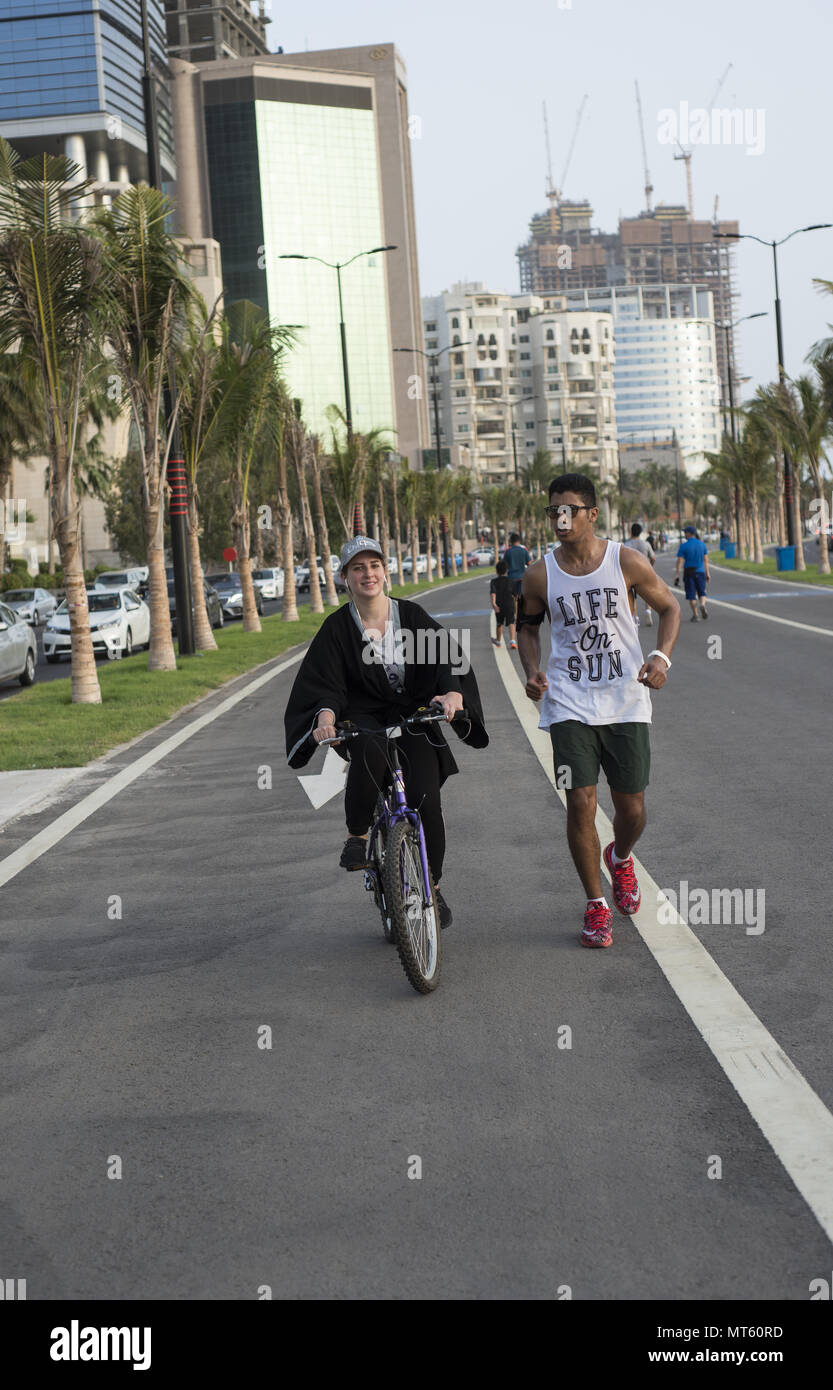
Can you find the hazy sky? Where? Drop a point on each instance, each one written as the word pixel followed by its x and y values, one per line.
pixel 478 73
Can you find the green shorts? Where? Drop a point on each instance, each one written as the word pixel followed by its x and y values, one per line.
pixel 622 750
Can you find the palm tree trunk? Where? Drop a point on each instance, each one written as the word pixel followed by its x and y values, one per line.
pixel 779 500
pixel 439 545
pixel 818 495
pixel 161 656
pixel 414 543
pixel 756 527
pixel 800 562
pixel 429 568
pixel 85 687
pixel 330 595
pixel 203 636
pixel 298 441
pixel 397 536
pixel 289 612
pixel 384 526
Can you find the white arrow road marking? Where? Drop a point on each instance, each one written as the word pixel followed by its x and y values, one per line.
pixel 794 1120
pixel 328 782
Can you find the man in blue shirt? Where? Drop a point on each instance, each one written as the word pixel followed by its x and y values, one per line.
pixel 517 558
pixel 693 558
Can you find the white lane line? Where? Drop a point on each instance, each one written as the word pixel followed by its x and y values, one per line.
pixel 769 617
pixel 792 1118
pixel 52 834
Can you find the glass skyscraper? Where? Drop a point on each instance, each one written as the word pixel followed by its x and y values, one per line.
pixel 293 168
pixel 70 82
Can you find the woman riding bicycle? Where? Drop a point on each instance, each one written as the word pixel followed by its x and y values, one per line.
pixel 369 665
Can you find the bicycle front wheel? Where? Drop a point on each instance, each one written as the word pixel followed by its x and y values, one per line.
pixel 412 908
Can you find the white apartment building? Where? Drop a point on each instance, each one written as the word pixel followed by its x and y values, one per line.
pixel 666 375
pixel 517 373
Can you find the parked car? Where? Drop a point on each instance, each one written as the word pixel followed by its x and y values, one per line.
pixel 18 648
pixel 482 556
pixel 422 564
pixel 122 579
pixel 119 622
pixel 32 605
pixel 230 591
pixel 212 603
pixel 393 567
pixel 270 582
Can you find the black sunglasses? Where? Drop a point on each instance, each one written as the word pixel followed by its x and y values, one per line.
pixel 553 512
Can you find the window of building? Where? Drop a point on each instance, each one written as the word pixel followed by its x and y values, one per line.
pixel 524 337
pixel 550 336
pixel 430 328
pixel 552 354
pixel 460 392
pixel 455 341
pixel 525 356
pixel 458 359
pixel 455 323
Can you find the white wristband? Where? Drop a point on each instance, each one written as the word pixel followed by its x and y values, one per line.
pixel 657 652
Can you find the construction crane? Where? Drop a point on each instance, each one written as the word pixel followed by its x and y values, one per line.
pixel 579 115
pixel 550 185
pixel 649 187
pixel 686 154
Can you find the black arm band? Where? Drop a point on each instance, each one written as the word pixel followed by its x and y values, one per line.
pixel 531 619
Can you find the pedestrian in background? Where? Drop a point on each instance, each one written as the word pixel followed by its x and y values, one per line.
pixel 693 558
pixel 503 603
pixel 645 547
pixel 517 558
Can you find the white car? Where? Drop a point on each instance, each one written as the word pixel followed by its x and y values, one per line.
pixel 32 605
pixel 119 622
pixel 483 556
pixel 121 579
pixel 270 582
pixel 18 648
pixel 393 567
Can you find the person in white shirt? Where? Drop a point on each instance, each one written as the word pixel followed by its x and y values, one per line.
pixel 638 542
pixel 594 694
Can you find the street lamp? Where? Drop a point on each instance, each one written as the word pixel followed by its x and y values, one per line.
pixel 747 236
pixel 433 358
pixel 338 266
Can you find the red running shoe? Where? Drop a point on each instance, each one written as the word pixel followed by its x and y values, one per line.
pixel 626 894
pixel 597 920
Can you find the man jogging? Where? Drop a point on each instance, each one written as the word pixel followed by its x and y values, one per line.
pixel 693 556
pixel 594 694
pixel 645 547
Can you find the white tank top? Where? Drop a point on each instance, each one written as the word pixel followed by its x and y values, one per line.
pixel 595 654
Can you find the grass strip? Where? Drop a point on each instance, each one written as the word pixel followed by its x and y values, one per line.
pixel 770 569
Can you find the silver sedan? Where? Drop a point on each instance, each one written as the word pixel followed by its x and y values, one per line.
pixel 32 605
pixel 18 648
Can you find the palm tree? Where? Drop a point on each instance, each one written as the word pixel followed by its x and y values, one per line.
pixel 537 474
pixel 297 447
pixel 395 463
pixel 798 412
pixel 55 303
pixel 280 430
pixel 152 293
pixel 21 422
pixel 492 499
pixel 429 504
pixel 460 496
pixel 316 467
pixel 409 491
pixel 201 425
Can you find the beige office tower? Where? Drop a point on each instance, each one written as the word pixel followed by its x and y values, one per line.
pixel 663 247
pixel 308 155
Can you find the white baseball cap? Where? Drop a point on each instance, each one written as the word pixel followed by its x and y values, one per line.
pixel 357 546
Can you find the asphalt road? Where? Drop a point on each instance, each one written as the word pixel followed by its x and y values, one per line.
pixel 542 1167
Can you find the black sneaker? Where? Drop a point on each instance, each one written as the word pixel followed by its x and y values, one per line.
pixel 354 854
pixel 444 910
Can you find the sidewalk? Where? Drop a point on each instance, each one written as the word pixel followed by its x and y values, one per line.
pixel 22 792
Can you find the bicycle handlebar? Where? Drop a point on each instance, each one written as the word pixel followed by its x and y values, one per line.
pixel 426 715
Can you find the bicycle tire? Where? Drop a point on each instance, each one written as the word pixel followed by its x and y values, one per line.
pixel 421 958
pixel 379 869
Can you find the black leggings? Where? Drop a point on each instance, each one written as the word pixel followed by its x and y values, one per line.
pixel 368 772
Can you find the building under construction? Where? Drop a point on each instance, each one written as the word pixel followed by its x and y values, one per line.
pixel 662 247
pixel 200 32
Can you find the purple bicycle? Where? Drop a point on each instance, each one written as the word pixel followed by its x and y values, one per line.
pixel 398 874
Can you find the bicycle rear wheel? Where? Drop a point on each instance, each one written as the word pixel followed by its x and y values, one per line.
pixel 412 907
pixel 378 867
